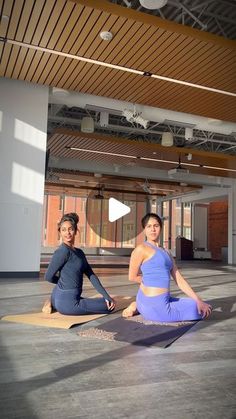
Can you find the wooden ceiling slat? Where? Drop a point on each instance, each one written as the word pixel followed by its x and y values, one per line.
pixel 153 50
pixel 35 62
pixel 53 77
pixel 55 146
pixel 102 53
pixel 156 21
pixel 59 77
pixel 156 62
pixel 81 71
pixel 14 19
pixel 63 38
pixel 68 70
pixel 94 35
pixel 60 144
pixel 120 44
pixel 214 102
pixel 98 46
pixel 182 95
pixel 170 59
pixel 168 47
pixel 80 17
pixel 34 18
pixel 67 64
pixel 161 90
pixel 140 41
pixel 5 58
pixel 61 14
pixel 180 98
pixel 215 81
pixel 46 15
pixel 62 138
pixel 12 61
pixel 88 77
pixel 19 64
pixel 6 9
pixel 192 71
pixel 40 67
pixel 82 41
pixel 23 23
pixel 51 64
pixel 202 108
pixel 30 53
pixel 195 47
pixel 128 85
pixel 212 65
pixel 97 86
pixel 118 82
pixel 201 56
pixel 150 37
pixel 190 96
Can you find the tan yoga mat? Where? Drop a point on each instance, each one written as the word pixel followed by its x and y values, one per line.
pixel 62 321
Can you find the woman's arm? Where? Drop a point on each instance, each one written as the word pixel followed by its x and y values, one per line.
pixel 182 283
pixel 203 308
pixel 58 260
pixel 95 281
pixel 136 260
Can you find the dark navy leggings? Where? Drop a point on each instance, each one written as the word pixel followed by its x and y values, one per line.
pixel 71 303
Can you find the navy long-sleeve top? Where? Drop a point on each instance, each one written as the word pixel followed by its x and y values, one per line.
pixel 67 267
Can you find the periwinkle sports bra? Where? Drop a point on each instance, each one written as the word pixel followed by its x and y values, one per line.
pixel 156 270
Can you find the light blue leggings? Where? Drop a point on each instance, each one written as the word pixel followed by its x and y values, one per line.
pixel 164 308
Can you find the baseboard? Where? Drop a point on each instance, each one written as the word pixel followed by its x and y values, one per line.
pixel 19 275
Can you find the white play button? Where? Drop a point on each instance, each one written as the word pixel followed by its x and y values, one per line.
pixel 116 210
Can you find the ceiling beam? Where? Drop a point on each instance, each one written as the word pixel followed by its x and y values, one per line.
pixel 158 22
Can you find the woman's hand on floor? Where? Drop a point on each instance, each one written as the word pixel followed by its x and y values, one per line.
pixel 204 309
pixel 111 304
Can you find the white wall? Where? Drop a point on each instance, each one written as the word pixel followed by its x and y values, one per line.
pixel 23 133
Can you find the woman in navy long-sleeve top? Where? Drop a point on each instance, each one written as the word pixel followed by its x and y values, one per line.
pixel 66 270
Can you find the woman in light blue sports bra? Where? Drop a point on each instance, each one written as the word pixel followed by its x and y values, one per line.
pixel 153 300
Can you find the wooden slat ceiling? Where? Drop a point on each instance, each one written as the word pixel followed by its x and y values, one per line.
pixel 141 41
pixel 94 148
pixel 84 184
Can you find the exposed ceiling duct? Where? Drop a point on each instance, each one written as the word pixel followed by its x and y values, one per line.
pixel 59 96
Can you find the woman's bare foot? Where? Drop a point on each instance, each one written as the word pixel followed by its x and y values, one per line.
pixel 130 311
pixel 47 307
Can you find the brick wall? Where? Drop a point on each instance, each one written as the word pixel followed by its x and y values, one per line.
pixel 217 228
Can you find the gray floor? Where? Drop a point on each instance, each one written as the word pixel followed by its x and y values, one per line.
pixel 53 373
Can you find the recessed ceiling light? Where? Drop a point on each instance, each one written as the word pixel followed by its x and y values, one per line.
pixel 106 35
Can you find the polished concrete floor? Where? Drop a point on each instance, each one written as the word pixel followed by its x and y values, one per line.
pixel 54 373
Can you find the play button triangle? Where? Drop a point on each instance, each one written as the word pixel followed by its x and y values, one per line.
pixel 116 210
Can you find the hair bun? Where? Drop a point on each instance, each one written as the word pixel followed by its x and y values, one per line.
pixel 74 216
